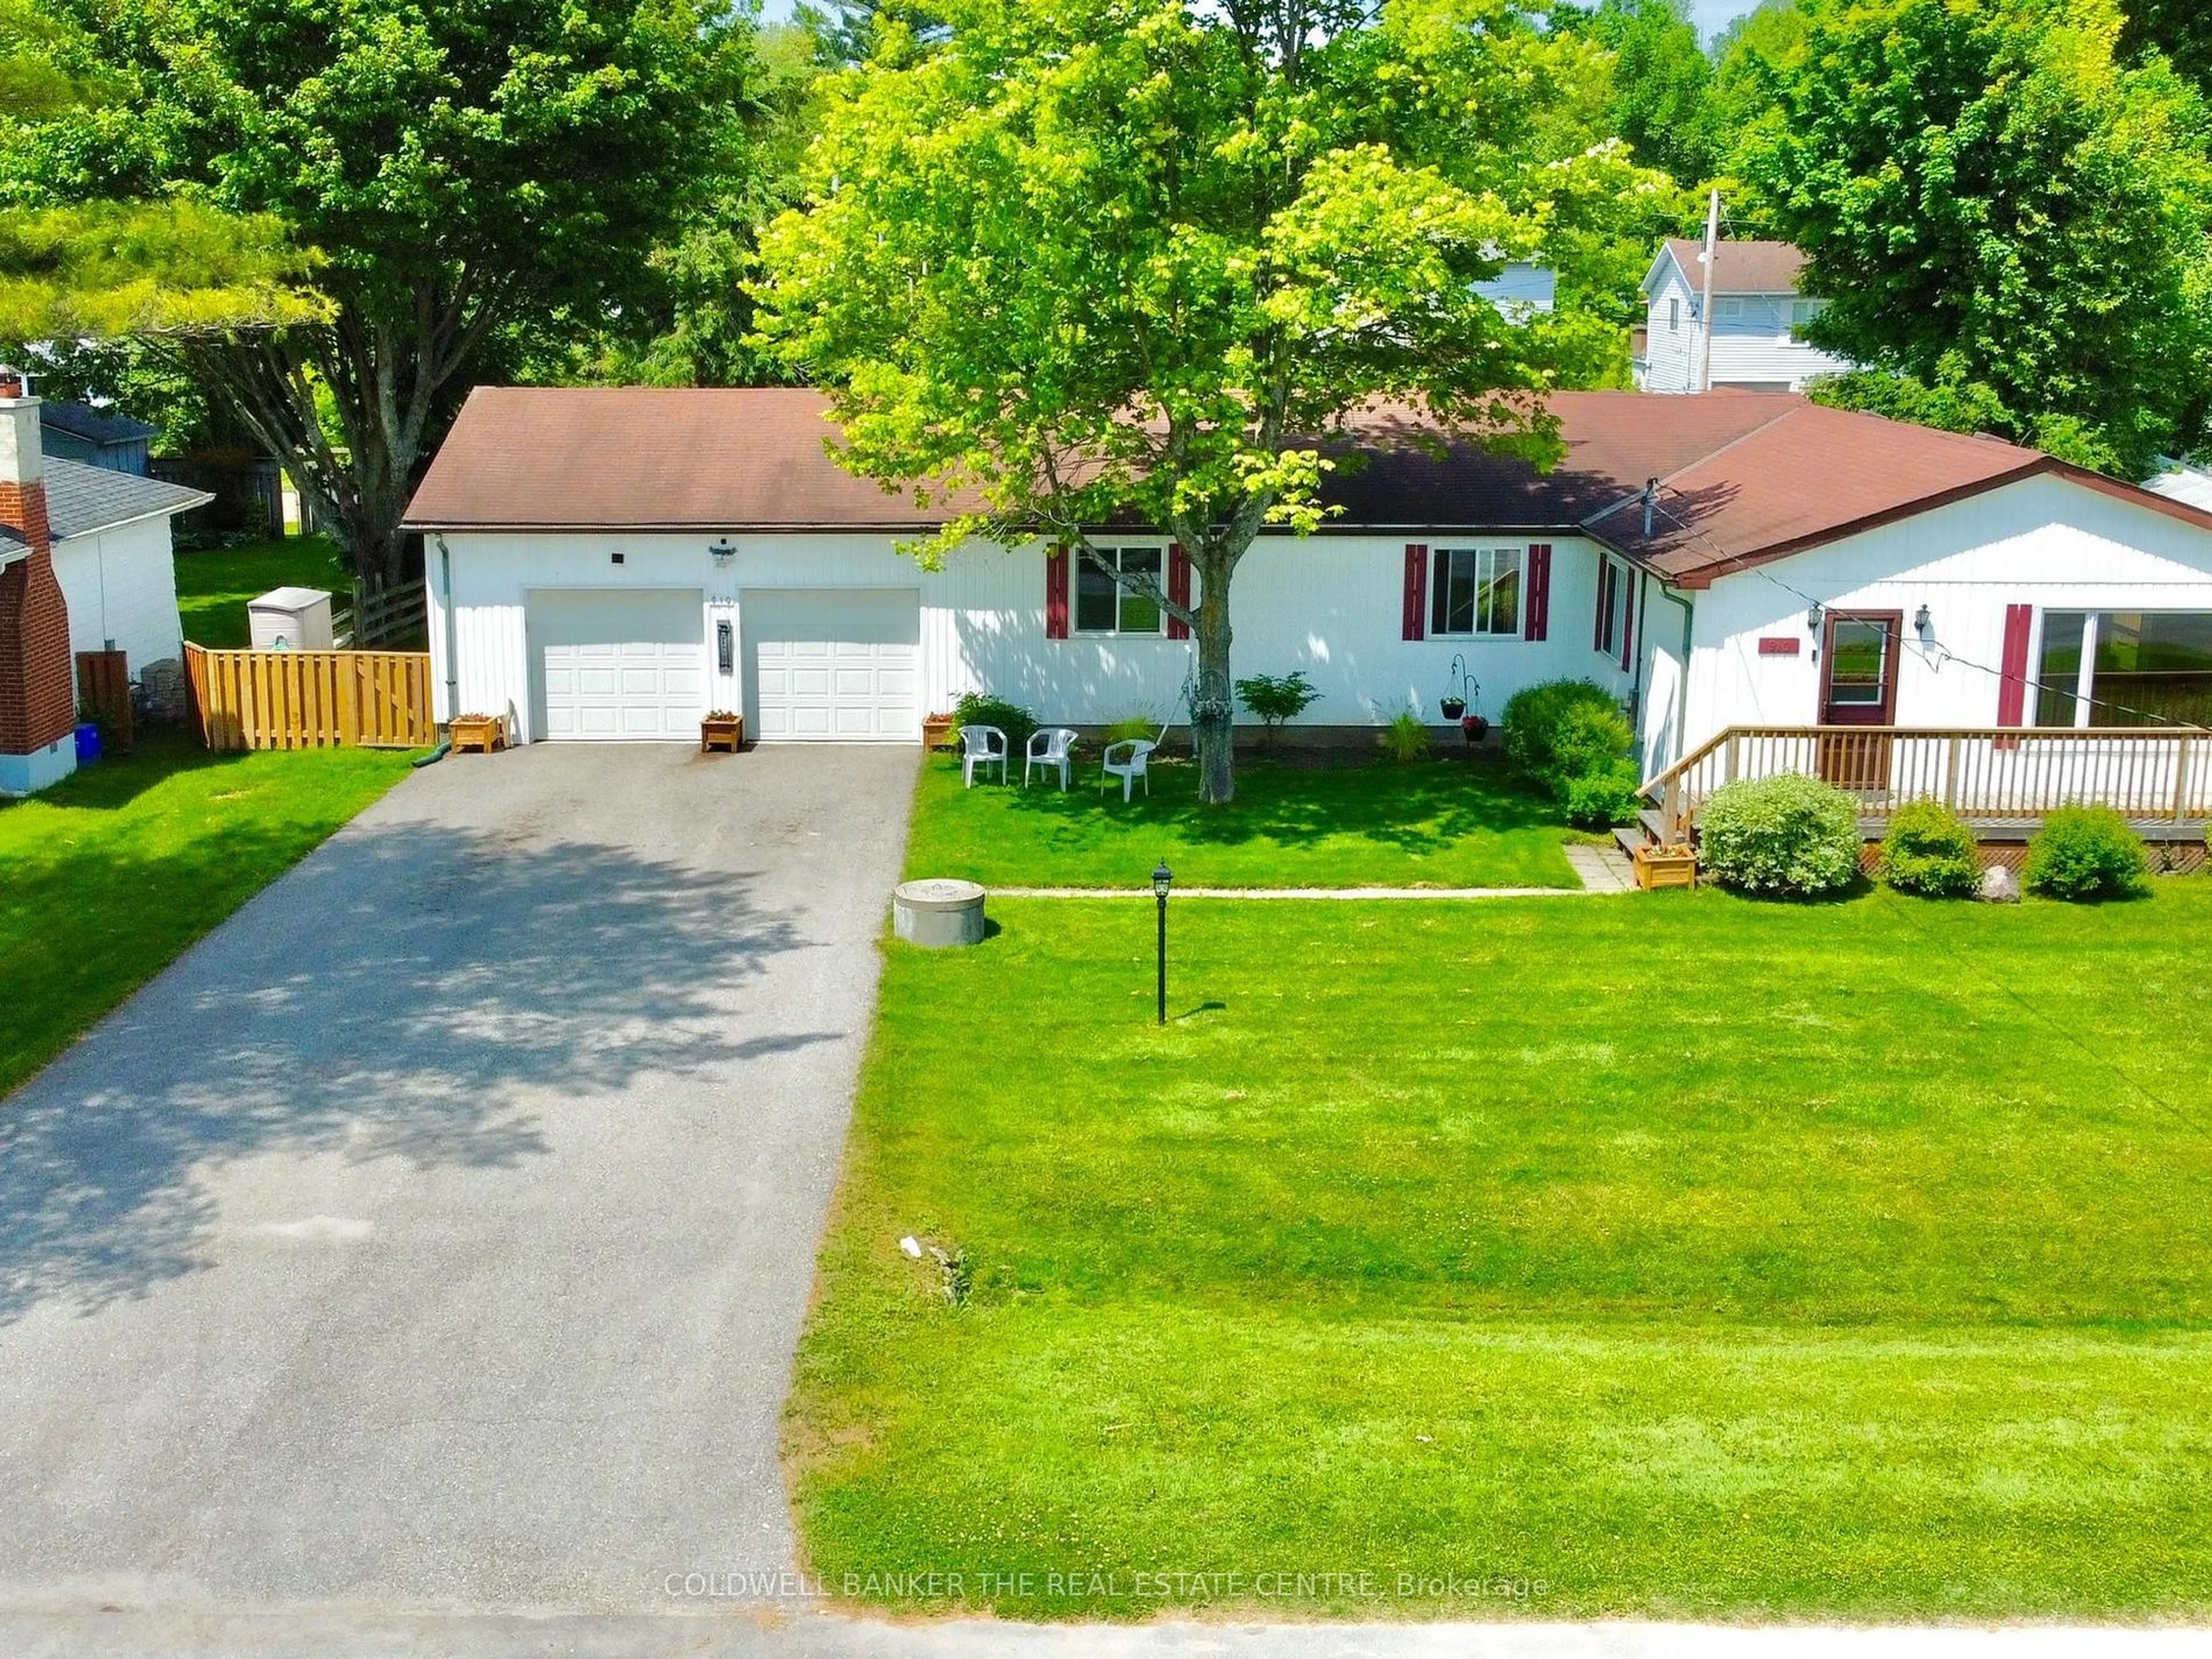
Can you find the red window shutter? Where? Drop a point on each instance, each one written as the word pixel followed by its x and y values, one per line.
pixel 2012 687
pixel 1056 594
pixel 1417 589
pixel 1628 587
pixel 1178 589
pixel 1537 615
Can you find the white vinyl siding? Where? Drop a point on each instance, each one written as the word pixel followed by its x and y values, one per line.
pixel 121 585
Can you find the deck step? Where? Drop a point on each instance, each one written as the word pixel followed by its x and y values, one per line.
pixel 1628 838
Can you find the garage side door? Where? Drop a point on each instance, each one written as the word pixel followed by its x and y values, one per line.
pixel 834 665
pixel 620 665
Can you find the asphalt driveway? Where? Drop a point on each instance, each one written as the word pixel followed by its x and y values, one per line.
pixel 436 1233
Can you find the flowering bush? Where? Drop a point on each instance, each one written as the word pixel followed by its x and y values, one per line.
pixel 1787 834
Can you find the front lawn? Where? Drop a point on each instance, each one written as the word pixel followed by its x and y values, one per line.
pixel 109 875
pixel 1677 1256
pixel 1441 823
pixel 213 587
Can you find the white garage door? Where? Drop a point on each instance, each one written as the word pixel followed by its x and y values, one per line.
pixel 831 665
pixel 621 666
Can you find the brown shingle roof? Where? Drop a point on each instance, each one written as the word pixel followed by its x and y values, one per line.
pixel 1741 267
pixel 648 458
pixel 1744 476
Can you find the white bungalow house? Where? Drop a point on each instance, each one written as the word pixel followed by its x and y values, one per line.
pixel 1757 315
pixel 608 564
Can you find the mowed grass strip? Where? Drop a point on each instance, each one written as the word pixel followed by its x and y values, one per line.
pixel 1680 1255
pixel 215 586
pixel 1366 823
pixel 105 877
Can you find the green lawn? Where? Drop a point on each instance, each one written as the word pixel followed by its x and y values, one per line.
pixel 1442 824
pixel 213 588
pixel 1676 1256
pixel 108 876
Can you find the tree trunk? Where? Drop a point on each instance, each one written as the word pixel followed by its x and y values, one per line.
pixel 1213 713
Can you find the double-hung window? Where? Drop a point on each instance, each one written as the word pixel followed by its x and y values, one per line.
pixel 1475 592
pixel 1103 605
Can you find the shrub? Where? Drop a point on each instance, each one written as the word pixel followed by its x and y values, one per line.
pixel 1589 741
pixel 1276 698
pixel 1931 851
pixel 1405 740
pixel 2086 853
pixel 1601 798
pixel 1140 725
pixel 977 708
pixel 1536 714
pixel 1570 736
pixel 1788 834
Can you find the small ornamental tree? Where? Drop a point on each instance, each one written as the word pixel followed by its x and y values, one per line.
pixel 1091 262
pixel 1277 698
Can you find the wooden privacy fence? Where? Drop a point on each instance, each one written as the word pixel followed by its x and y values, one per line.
pixel 1988 773
pixel 311 699
pixel 103 691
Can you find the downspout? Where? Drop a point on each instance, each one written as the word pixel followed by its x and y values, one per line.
pixel 446 600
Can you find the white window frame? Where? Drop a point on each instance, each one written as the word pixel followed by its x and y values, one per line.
pixel 1802 312
pixel 1674 314
pixel 1483 569
pixel 1122 596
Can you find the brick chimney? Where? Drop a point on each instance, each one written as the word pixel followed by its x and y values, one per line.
pixel 38 683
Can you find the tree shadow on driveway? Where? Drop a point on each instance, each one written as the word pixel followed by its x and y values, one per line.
pixel 414 991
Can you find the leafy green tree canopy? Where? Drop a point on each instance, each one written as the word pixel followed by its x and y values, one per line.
pixel 1661 100
pixel 1991 200
pixel 109 269
pixel 1108 261
pixel 105 268
pixel 463 168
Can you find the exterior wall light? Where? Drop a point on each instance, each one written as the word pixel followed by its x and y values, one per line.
pixel 1922 622
pixel 723 552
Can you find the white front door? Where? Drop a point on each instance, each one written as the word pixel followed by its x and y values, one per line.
pixel 618 664
pixel 833 665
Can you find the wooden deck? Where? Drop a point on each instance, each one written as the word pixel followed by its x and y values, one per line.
pixel 2000 780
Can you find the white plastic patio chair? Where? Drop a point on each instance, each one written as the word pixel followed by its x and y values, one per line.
pixel 982 745
pixel 1058 751
pixel 1133 753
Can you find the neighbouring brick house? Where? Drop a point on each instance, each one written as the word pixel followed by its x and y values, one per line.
pixel 85 565
pixel 37 691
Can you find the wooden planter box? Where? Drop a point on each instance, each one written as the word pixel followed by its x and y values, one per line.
pixel 484 731
pixel 1658 867
pixel 937 733
pixel 728 732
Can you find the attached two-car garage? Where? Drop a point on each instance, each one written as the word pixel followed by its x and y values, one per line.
pixel 636 665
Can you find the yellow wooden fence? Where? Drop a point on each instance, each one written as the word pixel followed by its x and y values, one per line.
pixel 311 699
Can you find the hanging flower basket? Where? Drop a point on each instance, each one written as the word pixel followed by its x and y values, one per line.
pixel 1473 727
pixel 1452 708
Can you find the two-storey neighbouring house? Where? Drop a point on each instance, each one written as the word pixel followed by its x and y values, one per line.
pixel 1758 316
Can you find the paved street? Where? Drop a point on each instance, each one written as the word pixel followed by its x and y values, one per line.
pixel 435 1234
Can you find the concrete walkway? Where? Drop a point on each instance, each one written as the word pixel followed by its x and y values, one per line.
pixel 1601 870
pixel 434 1235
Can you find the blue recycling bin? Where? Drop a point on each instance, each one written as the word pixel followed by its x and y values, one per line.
pixel 88 744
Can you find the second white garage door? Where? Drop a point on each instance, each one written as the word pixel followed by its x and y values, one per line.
pixel 834 665
pixel 618 664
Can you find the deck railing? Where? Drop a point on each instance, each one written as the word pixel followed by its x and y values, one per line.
pixel 2147 773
